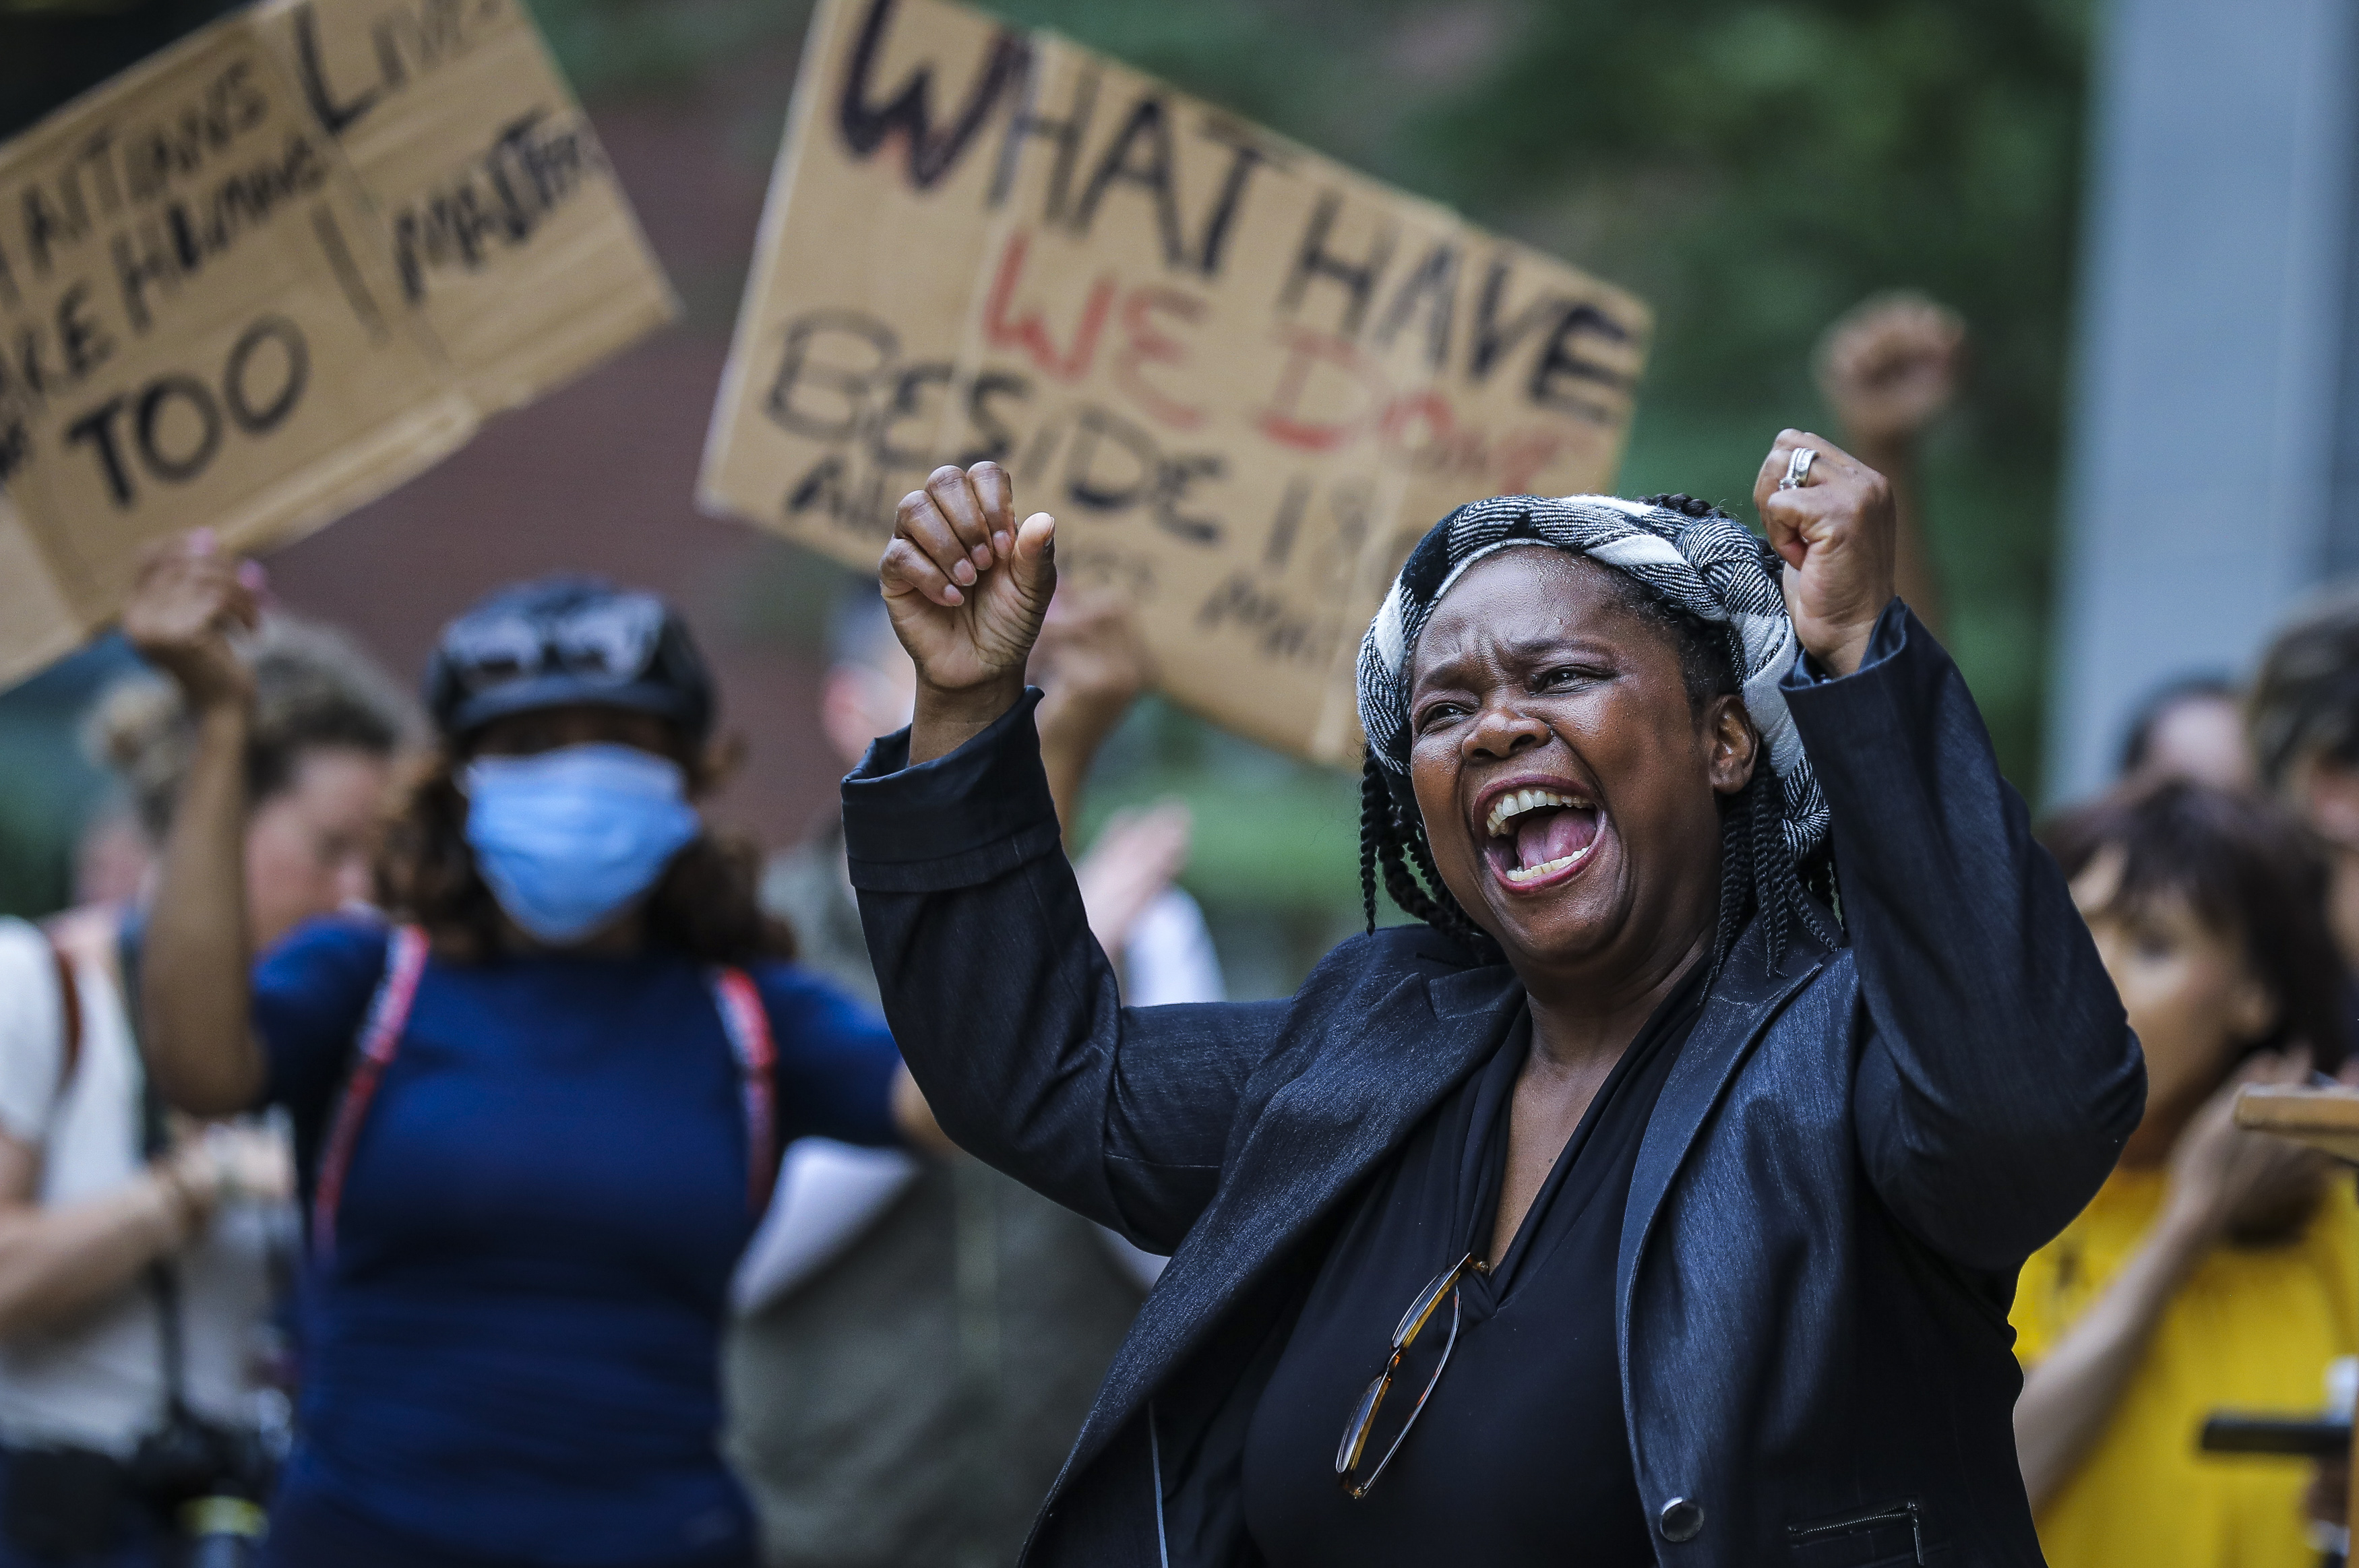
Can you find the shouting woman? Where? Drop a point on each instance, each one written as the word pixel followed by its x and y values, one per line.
pixel 1629 1206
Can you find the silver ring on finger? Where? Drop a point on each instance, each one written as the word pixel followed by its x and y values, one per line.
pixel 1798 468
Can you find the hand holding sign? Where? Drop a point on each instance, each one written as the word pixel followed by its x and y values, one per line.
pixel 967 588
pixel 188 600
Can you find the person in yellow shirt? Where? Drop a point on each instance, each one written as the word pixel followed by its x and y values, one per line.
pixel 2216 1268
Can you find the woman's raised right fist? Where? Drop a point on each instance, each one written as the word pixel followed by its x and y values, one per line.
pixel 967 586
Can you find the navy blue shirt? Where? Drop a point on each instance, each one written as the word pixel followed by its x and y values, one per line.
pixel 514 1349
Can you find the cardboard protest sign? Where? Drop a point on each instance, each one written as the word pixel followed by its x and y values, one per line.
pixel 509 228
pixel 248 287
pixel 201 326
pixel 1244 378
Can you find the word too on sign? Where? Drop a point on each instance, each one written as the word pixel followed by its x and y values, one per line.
pixel 1244 378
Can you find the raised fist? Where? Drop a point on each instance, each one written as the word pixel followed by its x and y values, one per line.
pixel 1889 366
pixel 186 603
pixel 967 586
pixel 1835 532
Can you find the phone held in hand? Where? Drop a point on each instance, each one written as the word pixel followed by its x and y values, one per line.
pixel 2306 1437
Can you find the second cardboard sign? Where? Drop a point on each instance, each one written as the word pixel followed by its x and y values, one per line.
pixel 1244 378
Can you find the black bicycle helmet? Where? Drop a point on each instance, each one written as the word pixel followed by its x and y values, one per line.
pixel 563 640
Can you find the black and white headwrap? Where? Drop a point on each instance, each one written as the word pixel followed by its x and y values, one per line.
pixel 1711 567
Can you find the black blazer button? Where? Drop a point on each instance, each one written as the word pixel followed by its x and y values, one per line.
pixel 1681 1519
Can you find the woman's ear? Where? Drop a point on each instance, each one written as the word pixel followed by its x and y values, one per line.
pixel 1731 744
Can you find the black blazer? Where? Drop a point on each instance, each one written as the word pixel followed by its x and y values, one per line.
pixel 1849 1160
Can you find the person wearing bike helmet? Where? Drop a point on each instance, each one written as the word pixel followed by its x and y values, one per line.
pixel 538 1115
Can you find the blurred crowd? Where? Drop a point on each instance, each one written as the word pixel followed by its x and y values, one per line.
pixel 396 1176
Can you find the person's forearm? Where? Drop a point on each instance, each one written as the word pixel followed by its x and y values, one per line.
pixel 1006 1010
pixel 1999 1078
pixel 993 1054
pixel 56 1262
pixel 1912 563
pixel 945 720
pixel 1073 728
pixel 1066 771
pixel 195 1005
pixel 2069 1396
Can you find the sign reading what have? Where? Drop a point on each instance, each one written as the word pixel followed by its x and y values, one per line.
pixel 1244 378
pixel 273 271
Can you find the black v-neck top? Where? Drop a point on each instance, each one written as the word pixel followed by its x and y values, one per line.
pixel 1522 1452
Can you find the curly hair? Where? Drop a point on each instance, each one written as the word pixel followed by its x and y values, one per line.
pixel 313 688
pixel 705 904
pixel 2246 870
pixel 1757 872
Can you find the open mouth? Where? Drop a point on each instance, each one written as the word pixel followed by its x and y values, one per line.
pixel 1533 836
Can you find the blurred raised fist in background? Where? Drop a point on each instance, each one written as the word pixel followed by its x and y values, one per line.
pixel 1889 366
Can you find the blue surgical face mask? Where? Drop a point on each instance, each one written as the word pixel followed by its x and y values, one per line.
pixel 568 838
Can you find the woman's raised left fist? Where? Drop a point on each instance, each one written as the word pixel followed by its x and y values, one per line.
pixel 1834 531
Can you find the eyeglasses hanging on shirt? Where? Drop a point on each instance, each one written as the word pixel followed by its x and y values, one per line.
pixel 1366 1420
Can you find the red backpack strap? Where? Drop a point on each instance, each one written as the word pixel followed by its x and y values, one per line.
pixel 747 1023
pixel 405 962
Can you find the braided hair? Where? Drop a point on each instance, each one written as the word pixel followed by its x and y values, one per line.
pixel 1759 872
